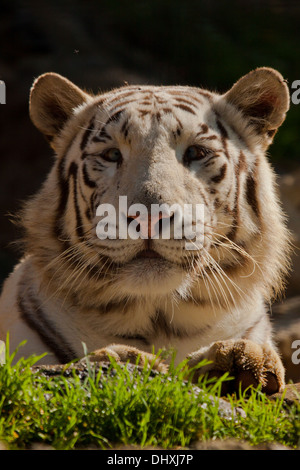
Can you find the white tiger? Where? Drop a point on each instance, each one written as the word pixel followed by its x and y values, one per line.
pixel 124 297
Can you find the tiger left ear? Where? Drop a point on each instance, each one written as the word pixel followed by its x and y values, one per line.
pixel 53 99
pixel 263 98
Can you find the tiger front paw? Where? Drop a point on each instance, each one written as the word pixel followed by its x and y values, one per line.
pixel 123 353
pixel 249 363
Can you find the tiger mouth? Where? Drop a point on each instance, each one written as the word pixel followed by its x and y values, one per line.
pixel 148 254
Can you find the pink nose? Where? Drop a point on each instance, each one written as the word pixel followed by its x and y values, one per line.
pixel 147 224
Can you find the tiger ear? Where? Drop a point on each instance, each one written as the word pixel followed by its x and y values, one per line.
pixel 263 97
pixel 52 102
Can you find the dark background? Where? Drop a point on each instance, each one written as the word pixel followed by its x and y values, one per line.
pixel 101 44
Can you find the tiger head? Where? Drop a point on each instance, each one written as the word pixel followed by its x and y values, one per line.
pixel 167 147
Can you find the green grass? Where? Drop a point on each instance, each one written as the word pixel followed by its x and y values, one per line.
pixel 120 407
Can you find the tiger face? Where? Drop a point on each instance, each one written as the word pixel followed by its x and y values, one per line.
pixel 169 146
pixel 139 148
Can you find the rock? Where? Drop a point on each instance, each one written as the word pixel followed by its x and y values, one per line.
pixel 285 317
pixel 291 394
pixel 289 189
pixel 81 369
pixel 234 444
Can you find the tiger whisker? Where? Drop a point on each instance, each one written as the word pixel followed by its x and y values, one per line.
pixel 220 287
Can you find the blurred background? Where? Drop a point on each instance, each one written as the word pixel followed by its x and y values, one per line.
pixel 101 44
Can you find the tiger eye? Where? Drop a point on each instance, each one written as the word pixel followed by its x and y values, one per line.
pixel 195 152
pixel 112 155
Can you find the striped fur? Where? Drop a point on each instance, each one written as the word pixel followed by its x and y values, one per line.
pixel 72 287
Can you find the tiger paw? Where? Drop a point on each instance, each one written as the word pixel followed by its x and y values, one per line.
pixel 249 363
pixel 123 353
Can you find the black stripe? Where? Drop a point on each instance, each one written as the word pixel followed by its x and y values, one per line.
pixel 123 94
pixel 157 116
pixel 87 133
pixel 73 172
pixel 222 130
pixel 99 139
pixel 90 183
pixel 251 195
pixel 120 106
pixel 35 317
pixel 144 112
pixel 102 136
pixel 224 137
pixel 178 122
pixel 63 184
pixel 204 93
pixel 115 117
pixel 99 166
pixel 124 128
pixel 124 306
pixel 133 338
pixel 184 93
pixel 88 214
pixel 204 129
pixel 185 101
pixel 218 178
pixel 236 210
pixel 161 325
pixel 64 189
pixel 185 108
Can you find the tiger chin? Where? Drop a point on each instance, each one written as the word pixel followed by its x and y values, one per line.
pixel 166 146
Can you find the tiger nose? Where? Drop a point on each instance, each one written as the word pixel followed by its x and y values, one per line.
pixel 149 223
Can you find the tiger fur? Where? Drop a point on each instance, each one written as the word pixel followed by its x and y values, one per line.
pixel 124 297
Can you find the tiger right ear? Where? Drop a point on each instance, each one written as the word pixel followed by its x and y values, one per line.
pixel 263 98
pixel 53 99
